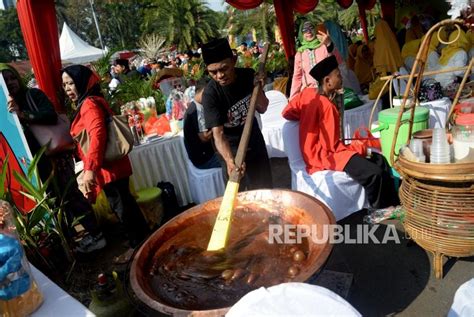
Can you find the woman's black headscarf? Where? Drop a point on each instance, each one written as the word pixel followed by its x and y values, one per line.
pixel 86 81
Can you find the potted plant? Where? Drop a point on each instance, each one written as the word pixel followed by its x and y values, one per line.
pixel 42 230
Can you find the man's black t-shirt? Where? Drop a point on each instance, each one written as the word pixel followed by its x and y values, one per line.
pixel 199 152
pixel 228 105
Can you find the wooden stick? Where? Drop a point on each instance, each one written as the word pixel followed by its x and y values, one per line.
pixel 360 139
pixel 433 72
pixel 220 231
pixel 458 93
pixel 417 70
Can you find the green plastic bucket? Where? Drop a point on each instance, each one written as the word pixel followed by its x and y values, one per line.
pixel 388 121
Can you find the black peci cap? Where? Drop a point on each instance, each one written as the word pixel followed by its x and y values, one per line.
pixel 216 51
pixel 324 68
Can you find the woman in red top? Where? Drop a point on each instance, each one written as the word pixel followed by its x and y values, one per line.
pixel 82 87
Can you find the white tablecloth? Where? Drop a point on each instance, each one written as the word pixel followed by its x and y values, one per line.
pixel 439 110
pixel 162 160
pixel 359 117
pixel 56 301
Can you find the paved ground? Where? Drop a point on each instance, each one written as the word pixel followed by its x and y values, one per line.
pixel 391 279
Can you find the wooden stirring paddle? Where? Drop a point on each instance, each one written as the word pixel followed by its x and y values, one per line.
pixel 220 232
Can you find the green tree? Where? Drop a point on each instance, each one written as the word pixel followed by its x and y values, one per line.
pixel 349 18
pixel 184 23
pixel 78 16
pixel 261 19
pixel 117 21
pixel 325 10
pixel 120 22
pixel 12 45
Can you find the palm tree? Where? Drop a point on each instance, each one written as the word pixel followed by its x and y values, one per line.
pixel 184 23
pixel 152 45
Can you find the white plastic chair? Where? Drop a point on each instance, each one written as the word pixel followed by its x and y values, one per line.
pixel 337 190
pixel 204 184
pixel 272 122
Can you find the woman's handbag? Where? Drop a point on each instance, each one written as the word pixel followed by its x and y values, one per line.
pixel 119 137
pixel 55 136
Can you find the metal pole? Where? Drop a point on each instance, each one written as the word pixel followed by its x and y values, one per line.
pixel 97 25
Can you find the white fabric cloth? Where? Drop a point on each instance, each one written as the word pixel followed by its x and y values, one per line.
pixel 349 78
pixel 439 110
pixel 463 304
pixel 409 62
pixel 75 50
pixel 457 60
pixel 337 190
pixel 205 184
pixel 292 299
pixel 272 122
pixel 114 83
pixel 200 117
pixel 56 301
pixel 400 84
pixel 432 63
pixel 359 117
pixel 164 160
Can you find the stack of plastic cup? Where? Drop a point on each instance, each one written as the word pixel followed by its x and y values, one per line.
pixel 416 146
pixel 440 151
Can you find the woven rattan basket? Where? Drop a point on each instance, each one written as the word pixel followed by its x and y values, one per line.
pixel 439 217
pixel 438 199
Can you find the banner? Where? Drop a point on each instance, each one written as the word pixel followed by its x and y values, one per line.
pixel 13 144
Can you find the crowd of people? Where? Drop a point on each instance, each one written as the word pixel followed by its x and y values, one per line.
pixel 326 62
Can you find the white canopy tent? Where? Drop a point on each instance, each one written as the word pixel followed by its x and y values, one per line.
pixel 75 50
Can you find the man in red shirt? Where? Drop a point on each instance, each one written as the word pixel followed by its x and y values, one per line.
pixel 320 143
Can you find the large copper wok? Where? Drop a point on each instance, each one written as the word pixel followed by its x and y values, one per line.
pixel 280 202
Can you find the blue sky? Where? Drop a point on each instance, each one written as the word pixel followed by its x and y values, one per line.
pixel 216 5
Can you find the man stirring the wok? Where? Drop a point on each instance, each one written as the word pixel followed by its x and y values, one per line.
pixel 226 101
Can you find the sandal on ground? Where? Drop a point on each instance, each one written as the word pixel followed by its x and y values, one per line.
pixel 125 257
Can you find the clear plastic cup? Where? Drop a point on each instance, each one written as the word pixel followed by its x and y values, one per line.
pixel 416 146
pixel 439 134
pixel 440 152
pixel 440 155
pixel 443 161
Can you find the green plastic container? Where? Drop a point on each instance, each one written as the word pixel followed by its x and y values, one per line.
pixel 388 121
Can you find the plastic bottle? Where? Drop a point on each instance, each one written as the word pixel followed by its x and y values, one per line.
pixel 19 293
pixel 108 298
pixel 379 215
pixel 463 138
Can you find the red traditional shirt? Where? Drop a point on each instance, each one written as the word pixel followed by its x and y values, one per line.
pixel 319 132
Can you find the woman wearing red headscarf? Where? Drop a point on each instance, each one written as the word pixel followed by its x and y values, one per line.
pixel 82 87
